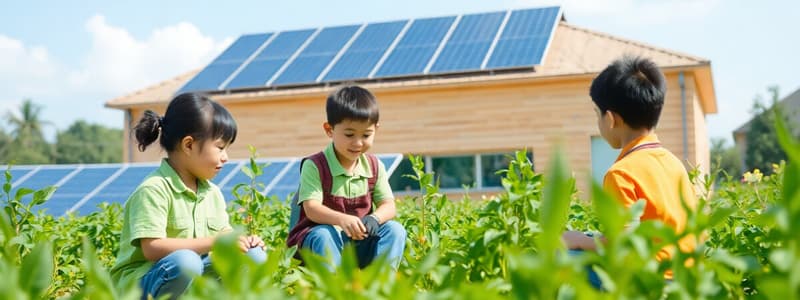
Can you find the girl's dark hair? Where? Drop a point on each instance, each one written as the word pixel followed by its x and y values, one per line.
pixel 188 114
pixel 351 102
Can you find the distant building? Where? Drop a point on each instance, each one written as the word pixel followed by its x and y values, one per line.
pixel 491 84
pixel 791 108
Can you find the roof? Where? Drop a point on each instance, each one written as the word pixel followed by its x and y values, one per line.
pixel 790 105
pixel 574 51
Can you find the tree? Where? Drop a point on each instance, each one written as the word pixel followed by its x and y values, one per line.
pixel 762 142
pixel 88 143
pixel 725 159
pixel 28 144
pixel 5 142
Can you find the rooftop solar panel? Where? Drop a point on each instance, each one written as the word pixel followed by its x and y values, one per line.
pixel 469 43
pixel 213 76
pixel 365 52
pixel 525 38
pixel 415 50
pixel 310 63
pixel 516 39
pixel 268 62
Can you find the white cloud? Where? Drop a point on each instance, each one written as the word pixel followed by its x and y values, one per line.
pixel 632 12
pixel 117 63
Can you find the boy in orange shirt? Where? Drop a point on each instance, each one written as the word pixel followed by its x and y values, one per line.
pixel 628 97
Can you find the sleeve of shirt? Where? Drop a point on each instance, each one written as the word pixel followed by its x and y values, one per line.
pixel 147 213
pixel 310 183
pixel 383 191
pixel 621 186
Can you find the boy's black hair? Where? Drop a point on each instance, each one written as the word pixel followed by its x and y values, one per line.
pixel 632 87
pixel 188 114
pixel 351 102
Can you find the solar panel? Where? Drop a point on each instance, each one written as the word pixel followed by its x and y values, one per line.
pixel 365 52
pixel 525 38
pixel 469 43
pixel 77 187
pixel 308 65
pixel 415 50
pixel 117 190
pixel 42 178
pixel 515 39
pixel 83 187
pixel 270 60
pixel 273 168
pixel 226 63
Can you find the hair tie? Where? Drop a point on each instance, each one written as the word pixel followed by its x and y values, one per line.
pixel 160 121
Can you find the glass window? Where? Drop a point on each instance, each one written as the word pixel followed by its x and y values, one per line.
pixel 454 171
pixel 603 157
pixel 400 183
pixel 491 163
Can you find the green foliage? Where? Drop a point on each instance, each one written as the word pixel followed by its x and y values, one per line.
pixel 28 145
pixel 725 159
pixel 88 143
pixel 507 246
pixel 763 148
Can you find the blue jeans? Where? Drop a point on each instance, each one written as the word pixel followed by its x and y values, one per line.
pixel 326 240
pixel 172 274
pixel 594 280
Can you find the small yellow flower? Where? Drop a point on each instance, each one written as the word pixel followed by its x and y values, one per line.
pixel 753 177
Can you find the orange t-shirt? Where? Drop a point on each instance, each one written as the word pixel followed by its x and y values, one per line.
pixel 657 176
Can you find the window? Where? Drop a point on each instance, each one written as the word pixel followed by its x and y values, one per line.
pixel 603 157
pixel 400 183
pixel 454 172
pixel 478 171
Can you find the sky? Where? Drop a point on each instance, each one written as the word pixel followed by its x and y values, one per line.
pixel 73 56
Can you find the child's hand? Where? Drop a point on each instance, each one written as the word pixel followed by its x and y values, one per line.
pixel 248 242
pixel 576 240
pixel 352 227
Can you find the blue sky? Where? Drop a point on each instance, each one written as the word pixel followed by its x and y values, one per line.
pixel 73 56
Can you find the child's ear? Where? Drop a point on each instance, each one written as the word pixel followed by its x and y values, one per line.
pixel 328 129
pixel 186 144
pixel 614 119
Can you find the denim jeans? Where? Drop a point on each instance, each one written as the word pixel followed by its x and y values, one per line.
pixel 172 274
pixel 327 240
pixel 592 277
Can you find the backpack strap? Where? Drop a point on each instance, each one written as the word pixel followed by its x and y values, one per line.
pixel 373 165
pixel 324 173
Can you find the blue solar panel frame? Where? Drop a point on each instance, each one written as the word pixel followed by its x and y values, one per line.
pixel 116 189
pixel 273 170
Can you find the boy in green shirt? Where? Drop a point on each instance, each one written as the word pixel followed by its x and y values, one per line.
pixel 340 186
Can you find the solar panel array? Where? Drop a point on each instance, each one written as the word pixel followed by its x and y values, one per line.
pixel 81 188
pixel 514 39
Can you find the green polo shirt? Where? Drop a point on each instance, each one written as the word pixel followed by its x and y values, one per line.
pixel 163 207
pixel 344 184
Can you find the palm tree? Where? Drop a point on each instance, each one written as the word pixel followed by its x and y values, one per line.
pixel 26 128
pixel 28 144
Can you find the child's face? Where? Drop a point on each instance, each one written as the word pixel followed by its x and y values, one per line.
pixel 209 158
pixel 351 139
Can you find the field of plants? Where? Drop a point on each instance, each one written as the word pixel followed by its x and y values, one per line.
pixel 504 247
